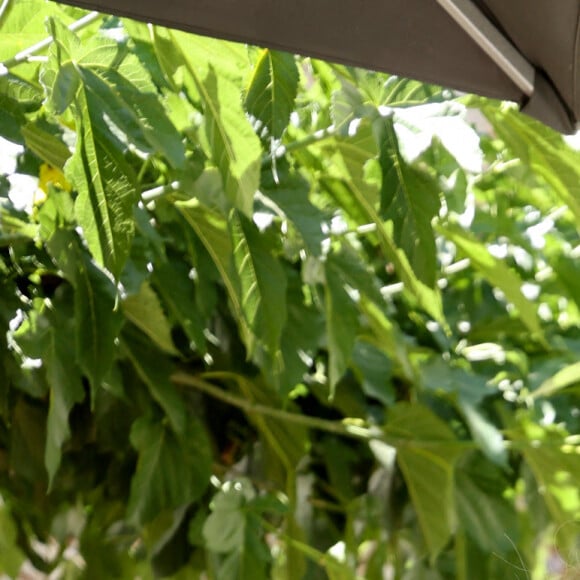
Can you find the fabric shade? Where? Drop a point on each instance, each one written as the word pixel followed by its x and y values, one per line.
pixel 413 38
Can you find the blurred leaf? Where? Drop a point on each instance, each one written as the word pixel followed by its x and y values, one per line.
pixel 363 212
pixel 11 556
pixel 234 528
pixel 212 229
pixel 567 377
pixel 556 469
pixel 543 150
pixel 98 321
pixel 375 371
pixel 50 333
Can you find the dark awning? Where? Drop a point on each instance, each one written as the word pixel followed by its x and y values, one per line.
pixel 526 51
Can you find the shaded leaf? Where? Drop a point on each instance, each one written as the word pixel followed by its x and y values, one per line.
pixel 497 274
pixel 155 371
pixel 426 460
pixel 262 283
pixel 341 324
pixel 173 284
pixel 483 512
pixel 290 195
pixel 172 470
pixel 50 333
pixel 47 146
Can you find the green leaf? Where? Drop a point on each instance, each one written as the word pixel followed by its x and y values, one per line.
pixel 212 229
pixel 50 334
pixel 556 469
pixel 98 320
pixel 467 390
pixel 301 336
pixel 144 310
pixel 11 556
pixel 138 114
pixel 374 370
pixel 543 150
pixel 47 146
pixel 106 193
pixel 482 511
pixel 234 528
pixel 426 459
pixel 64 89
pixel 155 371
pixel 172 283
pixel 387 337
pixel 17 97
pixel 262 283
pixel 172 470
pixel 104 181
pixel 497 274
pixel 232 144
pixel 290 195
pixel 363 212
pixel 286 442
pixel 66 390
pixel 564 378
pixel 272 90
pixel 341 324
pixel 410 199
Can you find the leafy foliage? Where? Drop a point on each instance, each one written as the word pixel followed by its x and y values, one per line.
pixel 263 318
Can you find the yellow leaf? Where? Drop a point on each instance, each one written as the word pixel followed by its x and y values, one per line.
pixel 50 175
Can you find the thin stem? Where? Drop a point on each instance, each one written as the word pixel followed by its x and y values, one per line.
pixel 3 8
pixel 25 54
pixel 334 427
pixel 315 137
pixel 157 192
pixel 398 287
pixel 343 429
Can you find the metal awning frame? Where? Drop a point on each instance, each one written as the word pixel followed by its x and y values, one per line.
pixel 503 53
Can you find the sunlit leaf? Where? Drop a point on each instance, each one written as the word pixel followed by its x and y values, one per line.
pixel 144 310
pixel 272 90
pixel 410 198
pixel 232 143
